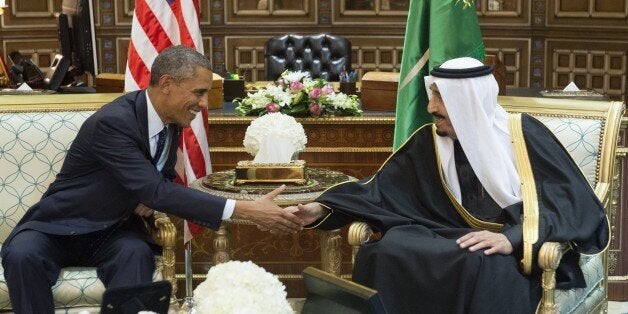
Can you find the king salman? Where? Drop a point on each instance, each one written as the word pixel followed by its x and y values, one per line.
pixel 464 205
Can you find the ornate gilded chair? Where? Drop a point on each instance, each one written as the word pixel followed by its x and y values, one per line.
pixel 589 131
pixel 323 55
pixel 35 133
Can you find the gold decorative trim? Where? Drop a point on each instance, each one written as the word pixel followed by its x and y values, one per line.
pixel 472 221
pixel 313 149
pixel 230 119
pixel 54 102
pixel 528 189
pixel 204 276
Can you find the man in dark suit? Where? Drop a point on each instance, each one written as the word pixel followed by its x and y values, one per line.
pixel 119 168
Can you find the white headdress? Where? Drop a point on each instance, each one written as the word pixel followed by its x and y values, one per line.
pixel 469 92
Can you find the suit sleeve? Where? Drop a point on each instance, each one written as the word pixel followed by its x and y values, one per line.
pixel 116 147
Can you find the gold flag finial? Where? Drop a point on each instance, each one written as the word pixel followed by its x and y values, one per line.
pixel 466 3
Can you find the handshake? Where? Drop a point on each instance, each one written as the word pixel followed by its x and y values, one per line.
pixel 268 216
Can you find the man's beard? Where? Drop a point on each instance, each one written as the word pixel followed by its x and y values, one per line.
pixel 441 133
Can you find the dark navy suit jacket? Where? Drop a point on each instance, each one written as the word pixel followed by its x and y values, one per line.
pixel 108 171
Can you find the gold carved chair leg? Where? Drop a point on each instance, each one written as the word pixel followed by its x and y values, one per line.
pixel 549 258
pixel 221 245
pixel 359 233
pixel 165 236
pixel 331 257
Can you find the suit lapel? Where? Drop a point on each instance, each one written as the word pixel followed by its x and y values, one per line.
pixel 141 115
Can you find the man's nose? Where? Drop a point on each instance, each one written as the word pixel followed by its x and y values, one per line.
pixel 204 101
pixel 431 108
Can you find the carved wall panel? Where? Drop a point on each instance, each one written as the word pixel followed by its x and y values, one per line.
pixel 278 12
pixel 245 55
pixel 515 54
pixel 41 51
pixel 370 12
pixel 503 11
pixel 603 11
pixel 40 13
pixel 124 12
pixel 600 66
pixel 376 53
pixel 114 52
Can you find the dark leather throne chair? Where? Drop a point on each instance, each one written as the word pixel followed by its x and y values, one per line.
pixel 322 55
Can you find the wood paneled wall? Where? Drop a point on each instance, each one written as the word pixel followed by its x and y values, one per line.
pixel 543 43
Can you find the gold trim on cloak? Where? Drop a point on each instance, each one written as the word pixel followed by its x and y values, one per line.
pixel 472 221
pixel 528 191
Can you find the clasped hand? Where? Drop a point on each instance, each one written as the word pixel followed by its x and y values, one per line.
pixel 267 215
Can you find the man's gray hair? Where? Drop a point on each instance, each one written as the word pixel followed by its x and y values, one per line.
pixel 179 62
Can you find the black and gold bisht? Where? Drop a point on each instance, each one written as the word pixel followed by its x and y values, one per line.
pixel 417 267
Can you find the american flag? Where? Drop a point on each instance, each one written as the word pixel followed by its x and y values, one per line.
pixel 156 26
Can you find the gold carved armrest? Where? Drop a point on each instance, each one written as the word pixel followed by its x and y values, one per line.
pixel 165 235
pixel 359 233
pixel 549 258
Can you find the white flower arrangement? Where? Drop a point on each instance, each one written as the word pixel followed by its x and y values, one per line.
pixel 240 287
pixel 274 124
pixel 297 94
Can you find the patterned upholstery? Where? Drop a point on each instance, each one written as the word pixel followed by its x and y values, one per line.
pixel 32 148
pixel 582 138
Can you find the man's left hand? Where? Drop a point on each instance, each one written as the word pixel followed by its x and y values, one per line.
pixel 143 210
pixel 490 241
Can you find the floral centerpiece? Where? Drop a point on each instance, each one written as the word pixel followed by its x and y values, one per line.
pixel 240 287
pixel 274 125
pixel 297 94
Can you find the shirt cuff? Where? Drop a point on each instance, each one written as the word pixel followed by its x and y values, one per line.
pixel 514 235
pixel 228 210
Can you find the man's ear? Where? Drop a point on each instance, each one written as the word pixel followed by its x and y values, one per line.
pixel 166 82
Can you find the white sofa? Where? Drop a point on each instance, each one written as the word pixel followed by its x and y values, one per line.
pixel 35 133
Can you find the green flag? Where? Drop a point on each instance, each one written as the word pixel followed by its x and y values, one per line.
pixel 437 30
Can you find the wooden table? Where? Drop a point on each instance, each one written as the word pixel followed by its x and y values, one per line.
pixel 222 184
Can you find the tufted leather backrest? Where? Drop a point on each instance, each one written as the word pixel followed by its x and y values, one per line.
pixel 322 55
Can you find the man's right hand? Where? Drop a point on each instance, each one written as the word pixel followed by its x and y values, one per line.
pixel 309 213
pixel 268 215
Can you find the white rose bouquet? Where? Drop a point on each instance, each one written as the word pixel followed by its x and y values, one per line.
pixel 240 287
pixel 274 125
pixel 297 94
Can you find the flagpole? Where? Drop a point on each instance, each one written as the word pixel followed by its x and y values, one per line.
pixel 188 303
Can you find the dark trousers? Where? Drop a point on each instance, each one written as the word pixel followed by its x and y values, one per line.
pixel 32 262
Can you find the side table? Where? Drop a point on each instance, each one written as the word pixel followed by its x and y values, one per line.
pixel 318 180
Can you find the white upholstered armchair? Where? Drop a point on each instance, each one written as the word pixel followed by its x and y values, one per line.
pixel 589 131
pixel 35 133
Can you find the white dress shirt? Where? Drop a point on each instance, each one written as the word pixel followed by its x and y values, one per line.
pixel 155 125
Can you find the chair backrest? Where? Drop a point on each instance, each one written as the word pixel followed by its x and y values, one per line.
pixel 323 55
pixel 587 129
pixel 35 134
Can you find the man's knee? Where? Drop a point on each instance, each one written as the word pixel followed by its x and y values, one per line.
pixel 16 255
pixel 135 250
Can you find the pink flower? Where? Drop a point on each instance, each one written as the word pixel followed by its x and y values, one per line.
pixel 316 93
pixel 328 89
pixel 272 107
pixel 296 87
pixel 315 109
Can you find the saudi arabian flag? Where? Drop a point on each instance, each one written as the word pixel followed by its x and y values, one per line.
pixel 437 30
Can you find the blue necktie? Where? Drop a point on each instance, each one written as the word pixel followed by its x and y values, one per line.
pixel 161 141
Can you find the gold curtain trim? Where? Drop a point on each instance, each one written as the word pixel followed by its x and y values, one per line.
pixel 528 189
pixel 472 221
